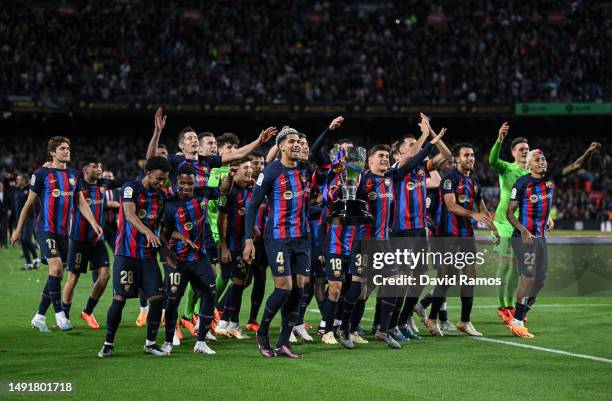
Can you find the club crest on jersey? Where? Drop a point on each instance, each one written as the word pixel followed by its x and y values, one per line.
pixel 188 226
pixel 128 192
pixel 281 269
pixel 288 195
pixel 102 189
pixel 549 184
pixel 448 184
pixel 372 195
pixel 142 213
pixel 421 172
pixel 387 181
pixel 533 198
pixel 242 211
pixel 72 181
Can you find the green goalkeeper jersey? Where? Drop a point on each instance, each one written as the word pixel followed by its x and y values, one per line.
pixel 216 176
pixel 508 174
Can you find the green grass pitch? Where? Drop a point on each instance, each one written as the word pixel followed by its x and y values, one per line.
pixel 451 367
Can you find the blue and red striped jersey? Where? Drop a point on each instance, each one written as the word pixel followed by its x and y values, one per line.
pixel 287 191
pixel 202 168
pixel 434 210
pixel 535 199
pixel 377 191
pixel 149 207
pixel 56 189
pixel 340 239
pixel 467 192
pixel 410 200
pixel 260 218
pixel 93 193
pixel 187 217
pixel 234 205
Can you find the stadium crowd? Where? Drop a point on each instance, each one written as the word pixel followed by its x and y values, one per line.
pixel 486 51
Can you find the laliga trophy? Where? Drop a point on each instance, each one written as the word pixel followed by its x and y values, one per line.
pixel 348 209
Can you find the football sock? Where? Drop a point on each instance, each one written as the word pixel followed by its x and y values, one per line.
pixel 273 304
pixel 91 304
pixel 66 309
pixel 55 291
pixel 387 306
pixel 466 308
pixel 45 300
pixel 154 318
pixel 113 318
pixel 290 316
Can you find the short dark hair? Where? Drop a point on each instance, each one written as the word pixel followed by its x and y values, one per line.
pixel 89 159
pixel 302 135
pixel 458 147
pixel 56 142
pixel 256 154
pixel 205 134
pixel 227 138
pixel 395 147
pixel 518 140
pixel 378 148
pixel 403 139
pixel 186 169
pixel 161 146
pixel 157 163
pixel 181 134
pixel 238 162
pixel 346 140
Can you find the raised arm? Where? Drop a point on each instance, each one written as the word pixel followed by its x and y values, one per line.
pixel 160 123
pixel 317 156
pixel 418 158
pixel 441 146
pixel 579 163
pixel 264 137
pixel 499 165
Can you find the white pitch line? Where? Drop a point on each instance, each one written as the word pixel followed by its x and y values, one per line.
pixel 551 350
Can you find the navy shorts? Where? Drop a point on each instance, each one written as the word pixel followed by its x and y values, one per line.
pixel 415 240
pixel 357 265
pixel 131 275
pixel 317 262
pixel 336 267
pixel 52 246
pixel 200 274
pixel 236 268
pixel 84 253
pixel 213 254
pixel 288 256
pixel 532 259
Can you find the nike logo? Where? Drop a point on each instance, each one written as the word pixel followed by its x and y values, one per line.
pixel 460 186
pixel 52 180
pixel 284 182
pixel 211 285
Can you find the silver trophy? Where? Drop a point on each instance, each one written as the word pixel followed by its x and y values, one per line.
pixel 349 210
